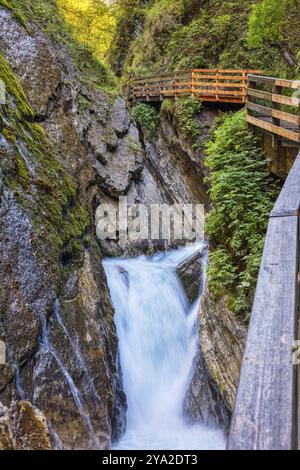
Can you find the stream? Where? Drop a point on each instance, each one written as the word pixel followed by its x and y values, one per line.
pixel 157 345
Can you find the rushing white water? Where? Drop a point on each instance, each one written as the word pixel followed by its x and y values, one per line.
pixel 157 342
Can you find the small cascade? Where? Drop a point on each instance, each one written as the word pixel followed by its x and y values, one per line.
pixel 48 348
pixel 157 343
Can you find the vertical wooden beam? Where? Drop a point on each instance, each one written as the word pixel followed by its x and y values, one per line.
pixel 250 84
pixel 218 85
pixel 244 89
pixel 193 84
pixel 277 90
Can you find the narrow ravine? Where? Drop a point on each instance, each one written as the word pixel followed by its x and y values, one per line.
pixel 157 343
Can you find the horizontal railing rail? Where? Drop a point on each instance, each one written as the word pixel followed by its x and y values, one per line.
pixel 265 415
pixel 228 86
pixel 273 106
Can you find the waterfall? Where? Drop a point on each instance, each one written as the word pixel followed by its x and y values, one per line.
pixel 157 343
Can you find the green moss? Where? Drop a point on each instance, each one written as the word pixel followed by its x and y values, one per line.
pixel 40 184
pixel 14 89
pixel 184 111
pixel 184 34
pixel 46 15
pixel 10 5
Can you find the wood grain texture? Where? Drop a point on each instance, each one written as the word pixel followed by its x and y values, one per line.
pixel 294 136
pixel 264 417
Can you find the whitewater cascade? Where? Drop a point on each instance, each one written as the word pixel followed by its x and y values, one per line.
pixel 157 343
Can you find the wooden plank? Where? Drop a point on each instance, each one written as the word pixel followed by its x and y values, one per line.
pixel 289 198
pixel 239 71
pixel 161 85
pixel 292 118
pixel 261 79
pixel 259 94
pixel 220 77
pixel 294 136
pixel 264 414
pixel 290 101
pixel 222 84
pixel 273 97
pixel 294 84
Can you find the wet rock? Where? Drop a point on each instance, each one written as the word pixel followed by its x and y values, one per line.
pixel 23 427
pixel 6 437
pixel 203 402
pixel 120 118
pixel 122 166
pixel 190 274
pixel 223 339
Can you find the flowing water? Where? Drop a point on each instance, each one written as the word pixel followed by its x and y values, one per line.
pixel 157 342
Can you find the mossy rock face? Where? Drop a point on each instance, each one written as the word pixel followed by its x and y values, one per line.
pixel 46 237
pixel 190 274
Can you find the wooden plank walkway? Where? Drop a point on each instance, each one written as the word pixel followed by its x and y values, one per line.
pixel 265 415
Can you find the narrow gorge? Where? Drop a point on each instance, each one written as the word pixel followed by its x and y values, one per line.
pixel 121 343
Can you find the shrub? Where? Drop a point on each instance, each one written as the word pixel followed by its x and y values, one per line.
pixel 147 117
pixel 186 110
pixel 242 194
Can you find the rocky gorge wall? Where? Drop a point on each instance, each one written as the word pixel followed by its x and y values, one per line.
pixel 67 146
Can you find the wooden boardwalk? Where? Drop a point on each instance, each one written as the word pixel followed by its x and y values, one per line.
pixel 209 85
pixel 273 104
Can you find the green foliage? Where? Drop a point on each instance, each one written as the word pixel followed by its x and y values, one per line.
pixel 242 195
pixel 185 111
pixel 147 117
pixel 167 35
pixel 130 18
pixel 267 20
pixel 46 15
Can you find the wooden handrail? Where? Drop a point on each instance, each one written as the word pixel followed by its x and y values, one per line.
pixel 230 86
pixel 269 116
pixel 227 85
pixel 265 413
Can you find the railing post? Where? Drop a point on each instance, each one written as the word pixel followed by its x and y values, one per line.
pixel 218 85
pixel 277 90
pixel 193 84
pixel 244 87
pixel 250 84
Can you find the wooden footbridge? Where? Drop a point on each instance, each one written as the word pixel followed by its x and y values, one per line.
pixel 273 104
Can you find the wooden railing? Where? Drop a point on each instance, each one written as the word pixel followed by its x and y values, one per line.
pixel 273 105
pixel 217 85
pixel 266 414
